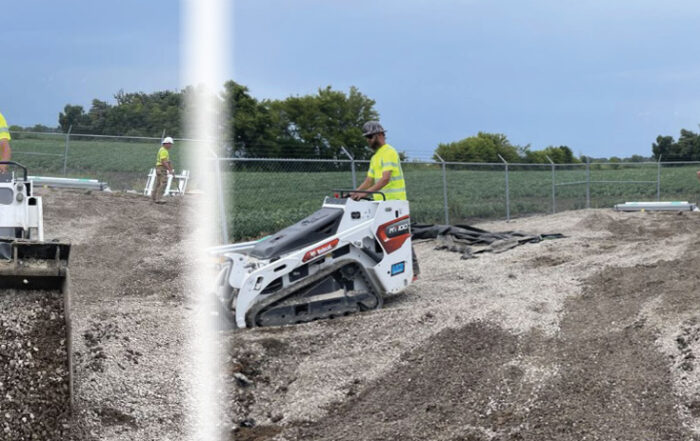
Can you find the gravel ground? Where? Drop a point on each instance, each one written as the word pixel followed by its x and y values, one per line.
pixel 130 313
pixel 593 336
pixel 34 379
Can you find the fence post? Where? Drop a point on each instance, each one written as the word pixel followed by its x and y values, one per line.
pixel 220 196
pixel 65 152
pixel 588 182
pixel 444 189
pixel 658 179
pixel 507 189
pixel 352 166
pixel 162 137
pixel 554 188
pixel 222 208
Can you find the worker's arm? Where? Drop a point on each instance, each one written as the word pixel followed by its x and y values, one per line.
pixel 699 175
pixel 368 182
pixel 5 153
pixel 381 183
pixel 374 186
pixel 168 166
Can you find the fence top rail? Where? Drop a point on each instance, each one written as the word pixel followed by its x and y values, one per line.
pixel 604 182
pixel 20 132
pixel 19 152
pixel 623 182
pixel 679 162
pixel 286 160
pixel 476 164
pixel 87 135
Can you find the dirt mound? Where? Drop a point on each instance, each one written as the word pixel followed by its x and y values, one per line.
pixel 636 225
pixel 589 337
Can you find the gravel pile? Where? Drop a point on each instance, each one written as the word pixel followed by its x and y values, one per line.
pixel 594 336
pixel 34 372
pixel 130 313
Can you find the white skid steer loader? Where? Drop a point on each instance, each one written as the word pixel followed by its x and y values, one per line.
pixel 342 259
pixel 26 260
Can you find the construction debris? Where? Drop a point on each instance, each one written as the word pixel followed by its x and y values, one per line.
pixel 657 206
pixel 470 241
pixel 82 184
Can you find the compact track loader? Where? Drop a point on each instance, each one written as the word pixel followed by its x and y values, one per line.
pixel 35 328
pixel 342 259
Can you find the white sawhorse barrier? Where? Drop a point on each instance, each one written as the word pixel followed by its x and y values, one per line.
pixel 170 190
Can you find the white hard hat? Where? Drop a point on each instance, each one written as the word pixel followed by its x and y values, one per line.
pixel 167 140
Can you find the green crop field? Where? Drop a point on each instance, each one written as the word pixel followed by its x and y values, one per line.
pixel 262 202
pixel 123 164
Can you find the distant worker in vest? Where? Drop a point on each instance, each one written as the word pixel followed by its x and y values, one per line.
pixel 163 167
pixel 5 152
pixel 385 173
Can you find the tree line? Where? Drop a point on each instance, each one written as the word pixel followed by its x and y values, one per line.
pixel 687 148
pixel 318 125
pixel 494 147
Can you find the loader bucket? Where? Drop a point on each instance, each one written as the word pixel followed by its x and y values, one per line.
pixel 29 264
pixel 37 338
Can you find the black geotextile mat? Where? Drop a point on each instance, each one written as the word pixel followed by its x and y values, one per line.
pixel 470 241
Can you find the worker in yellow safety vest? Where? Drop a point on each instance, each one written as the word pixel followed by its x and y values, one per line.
pixel 384 174
pixel 5 152
pixel 163 167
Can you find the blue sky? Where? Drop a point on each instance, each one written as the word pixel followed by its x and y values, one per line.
pixel 603 77
pixel 72 51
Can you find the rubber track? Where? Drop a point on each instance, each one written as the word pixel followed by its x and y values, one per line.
pixel 253 316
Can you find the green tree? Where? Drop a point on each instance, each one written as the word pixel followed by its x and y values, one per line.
pixel 558 155
pixel 74 116
pixel 665 147
pixel 689 146
pixel 686 149
pixel 137 114
pixel 319 125
pixel 484 147
pixel 615 162
pixel 250 125
pixel 309 126
pixel 98 113
pixel 637 158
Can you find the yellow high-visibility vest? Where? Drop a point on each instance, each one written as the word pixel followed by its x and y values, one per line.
pixel 386 158
pixel 163 155
pixel 4 130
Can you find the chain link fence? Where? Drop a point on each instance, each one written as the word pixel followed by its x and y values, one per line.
pixel 122 162
pixel 263 195
pixel 258 196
